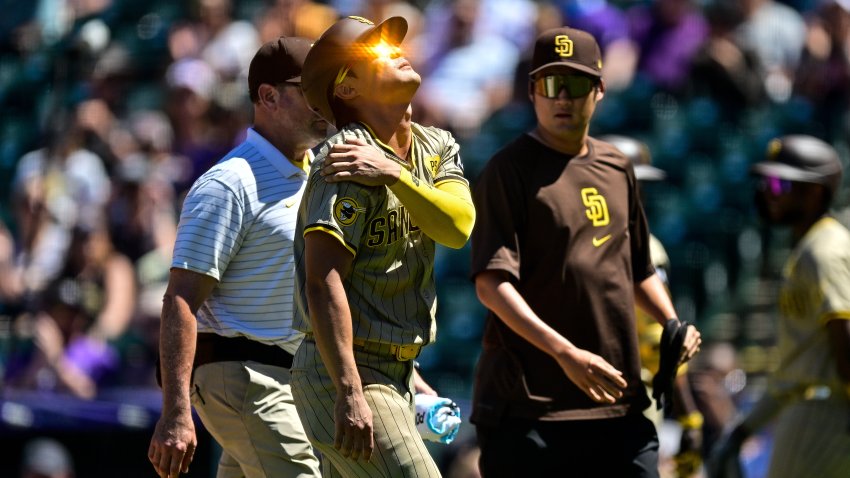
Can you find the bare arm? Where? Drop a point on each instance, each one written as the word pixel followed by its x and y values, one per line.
pixel 174 441
pixel 327 264
pixel 653 298
pixel 590 372
pixel 420 385
pixel 117 312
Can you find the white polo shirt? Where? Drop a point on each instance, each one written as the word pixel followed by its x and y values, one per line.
pixel 237 226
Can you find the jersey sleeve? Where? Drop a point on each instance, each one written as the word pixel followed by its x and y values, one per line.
pixel 210 230
pixel 340 209
pixel 642 266
pixel 499 205
pixel 834 280
pixel 450 167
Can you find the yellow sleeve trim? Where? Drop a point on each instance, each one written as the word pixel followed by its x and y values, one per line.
pixel 839 315
pixel 439 184
pixel 333 233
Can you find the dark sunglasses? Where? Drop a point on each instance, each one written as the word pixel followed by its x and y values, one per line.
pixel 576 86
pixel 774 185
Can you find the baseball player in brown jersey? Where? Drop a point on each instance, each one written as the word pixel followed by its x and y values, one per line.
pixel 364 278
pixel 808 393
pixel 560 257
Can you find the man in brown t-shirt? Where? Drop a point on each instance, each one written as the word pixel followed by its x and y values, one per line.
pixel 560 257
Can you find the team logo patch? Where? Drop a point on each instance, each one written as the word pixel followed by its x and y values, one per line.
pixel 563 46
pixel 597 206
pixel 433 163
pixel 346 211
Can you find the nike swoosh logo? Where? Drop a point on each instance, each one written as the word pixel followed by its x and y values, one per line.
pixel 290 202
pixel 602 240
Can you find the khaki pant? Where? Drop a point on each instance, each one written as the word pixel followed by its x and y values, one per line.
pixel 249 410
pixel 388 388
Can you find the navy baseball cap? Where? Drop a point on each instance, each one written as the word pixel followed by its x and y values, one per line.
pixel 568 47
pixel 277 61
pixel 342 43
pixel 801 158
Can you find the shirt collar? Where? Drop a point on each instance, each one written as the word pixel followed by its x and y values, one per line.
pixel 273 155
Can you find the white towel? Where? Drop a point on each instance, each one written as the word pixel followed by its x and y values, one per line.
pixel 437 418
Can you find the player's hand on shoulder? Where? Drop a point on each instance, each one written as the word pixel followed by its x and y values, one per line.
pixel 353 422
pixel 355 160
pixel 593 375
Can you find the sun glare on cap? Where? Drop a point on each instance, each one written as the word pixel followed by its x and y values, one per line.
pixel 384 50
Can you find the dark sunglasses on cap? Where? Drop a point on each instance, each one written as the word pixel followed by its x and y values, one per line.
pixel 774 185
pixel 576 86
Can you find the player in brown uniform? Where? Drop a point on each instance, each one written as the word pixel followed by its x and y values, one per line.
pixel 807 394
pixel 366 296
pixel 560 257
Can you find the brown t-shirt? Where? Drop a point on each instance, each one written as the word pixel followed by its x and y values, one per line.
pixel 572 234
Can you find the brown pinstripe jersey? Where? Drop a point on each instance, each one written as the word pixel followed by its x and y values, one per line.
pixel 390 287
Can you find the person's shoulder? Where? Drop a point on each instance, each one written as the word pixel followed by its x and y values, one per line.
pixel 829 239
pixel 607 152
pixel 512 160
pixel 234 172
pixel 234 168
pixel 321 149
pixel 432 133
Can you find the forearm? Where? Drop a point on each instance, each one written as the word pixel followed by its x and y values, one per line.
pixel 331 320
pixel 445 213
pixel 177 338
pixel 652 297
pixel 327 264
pixel 71 378
pixel 117 313
pixel 505 301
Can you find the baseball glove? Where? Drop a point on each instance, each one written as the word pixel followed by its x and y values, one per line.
pixel 672 340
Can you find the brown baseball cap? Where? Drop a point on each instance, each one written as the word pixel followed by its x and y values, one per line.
pixel 801 158
pixel 277 61
pixel 568 47
pixel 341 44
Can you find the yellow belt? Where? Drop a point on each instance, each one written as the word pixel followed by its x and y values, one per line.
pixel 402 353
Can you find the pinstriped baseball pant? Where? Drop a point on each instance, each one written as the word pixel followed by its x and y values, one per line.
pixel 388 388
pixel 812 439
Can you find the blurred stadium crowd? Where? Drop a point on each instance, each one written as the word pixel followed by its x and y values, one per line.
pixel 111 109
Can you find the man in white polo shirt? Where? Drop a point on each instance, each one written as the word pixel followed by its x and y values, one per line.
pixel 226 335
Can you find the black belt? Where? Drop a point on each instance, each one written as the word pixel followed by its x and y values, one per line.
pixel 211 348
pixel 216 348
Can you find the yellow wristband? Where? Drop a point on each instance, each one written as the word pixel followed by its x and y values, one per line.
pixel 691 421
